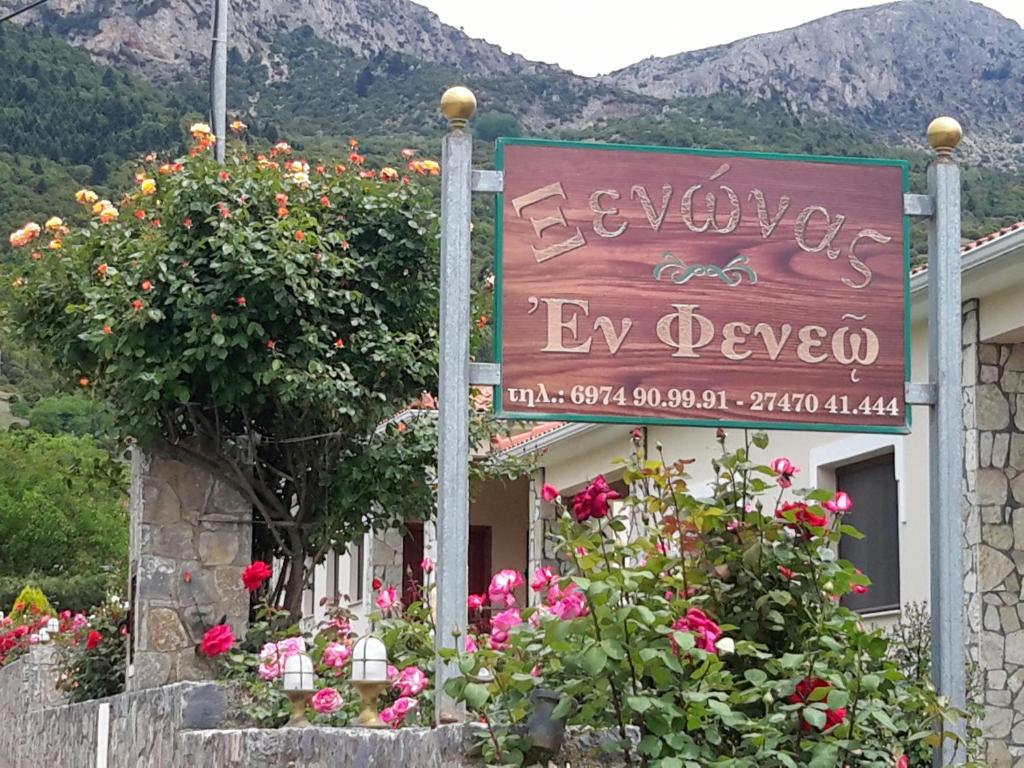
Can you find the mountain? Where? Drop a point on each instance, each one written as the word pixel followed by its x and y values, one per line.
pixel 87 86
pixel 888 68
pixel 160 36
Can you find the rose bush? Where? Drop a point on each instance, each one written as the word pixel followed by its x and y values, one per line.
pixel 92 651
pixel 256 318
pixel 715 625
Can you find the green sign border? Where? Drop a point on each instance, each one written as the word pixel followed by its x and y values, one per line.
pixel 501 413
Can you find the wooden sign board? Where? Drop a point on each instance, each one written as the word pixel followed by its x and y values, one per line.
pixel 654 285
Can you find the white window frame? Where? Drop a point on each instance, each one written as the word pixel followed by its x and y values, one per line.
pixel 823 460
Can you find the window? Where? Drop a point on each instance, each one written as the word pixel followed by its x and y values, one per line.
pixel 357 563
pixel 872 485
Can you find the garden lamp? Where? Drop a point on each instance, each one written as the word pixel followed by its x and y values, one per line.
pixel 53 626
pixel 299 686
pixel 370 678
pixel 44 636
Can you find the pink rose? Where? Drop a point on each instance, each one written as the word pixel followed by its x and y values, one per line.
pixel 840 504
pixel 387 599
pixel 556 593
pixel 270 671
pixel 706 631
pixel 785 469
pixel 326 701
pixel 79 621
pixel 427 564
pixel 542 578
pixel 411 681
pixel 549 493
pixel 471 646
pixel 592 501
pixel 336 655
pixel 392 672
pixel 502 585
pixel 395 714
pixel 501 625
pixel 476 602
pixel 404 706
pixel 571 606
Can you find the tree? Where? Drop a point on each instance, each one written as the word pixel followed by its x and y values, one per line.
pixel 75 414
pixel 264 321
pixel 491 125
pixel 62 506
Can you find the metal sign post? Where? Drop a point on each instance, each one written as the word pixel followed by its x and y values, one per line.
pixel 458 105
pixel 946 434
pixel 941 206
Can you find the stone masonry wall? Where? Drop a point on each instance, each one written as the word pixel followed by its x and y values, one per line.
pixel 994 530
pixel 191 538
pixel 197 725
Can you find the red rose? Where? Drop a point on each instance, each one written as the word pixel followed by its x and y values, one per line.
pixel 804 689
pixel 593 500
pixel 255 574
pixel 803 514
pixel 94 639
pixel 217 641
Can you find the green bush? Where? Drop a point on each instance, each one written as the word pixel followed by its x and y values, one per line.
pixel 93 657
pixel 30 601
pixel 70 413
pixel 76 593
pixel 62 506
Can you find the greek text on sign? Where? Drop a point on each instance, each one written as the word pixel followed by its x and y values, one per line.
pixel 666 286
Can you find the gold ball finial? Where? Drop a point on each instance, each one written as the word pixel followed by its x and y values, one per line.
pixel 458 104
pixel 944 134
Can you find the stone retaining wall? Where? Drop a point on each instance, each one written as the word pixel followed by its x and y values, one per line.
pixel 191 725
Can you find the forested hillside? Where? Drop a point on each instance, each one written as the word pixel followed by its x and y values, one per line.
pixel 66 121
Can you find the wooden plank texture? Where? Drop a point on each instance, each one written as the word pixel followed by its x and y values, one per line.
pixel 621 298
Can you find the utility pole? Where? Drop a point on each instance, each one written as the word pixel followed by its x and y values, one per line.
pixel 219 77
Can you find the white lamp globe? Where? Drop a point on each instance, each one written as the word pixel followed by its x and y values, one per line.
pixel 53 626
pixel 369 660
pixel 298 673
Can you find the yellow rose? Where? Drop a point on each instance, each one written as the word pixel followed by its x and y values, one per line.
pixel 99 207
pixel 200 130
pixel 107 215
pixel 148 186
pixel 86 197
pixel 54 223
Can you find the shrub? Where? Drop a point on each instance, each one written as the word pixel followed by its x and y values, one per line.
pixel 30 602
pixel 711 624
pixel 77 593
pixel 253 318
pixel 93 653
pixel 62 506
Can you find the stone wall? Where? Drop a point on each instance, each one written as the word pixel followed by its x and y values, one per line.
pixel 994 531
pixel 29 683
pixel 191 538
pixel 196 725
pixel 144 728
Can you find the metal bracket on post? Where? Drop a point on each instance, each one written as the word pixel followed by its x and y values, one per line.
pixel 458 105
pixel 920 394
pixel 946 434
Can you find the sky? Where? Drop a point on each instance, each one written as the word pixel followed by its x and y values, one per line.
pixel 592 37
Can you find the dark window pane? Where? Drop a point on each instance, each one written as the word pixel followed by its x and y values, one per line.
pixel 872 485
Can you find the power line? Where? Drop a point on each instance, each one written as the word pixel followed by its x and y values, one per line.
pixel 20 11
